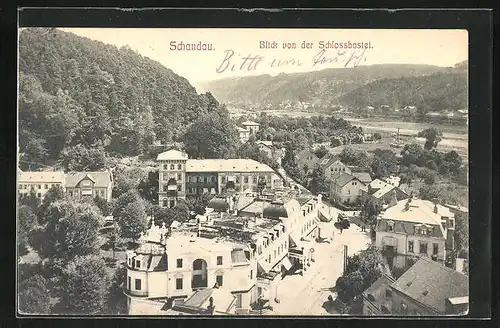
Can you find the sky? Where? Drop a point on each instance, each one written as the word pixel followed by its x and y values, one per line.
pixel 230 47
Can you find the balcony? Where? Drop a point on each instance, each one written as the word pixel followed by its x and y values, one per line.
pixel 135 293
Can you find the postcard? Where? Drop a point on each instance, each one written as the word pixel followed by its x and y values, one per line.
pixel 242 172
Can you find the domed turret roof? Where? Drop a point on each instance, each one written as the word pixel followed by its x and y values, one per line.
pixel 219 204
pixel 275 210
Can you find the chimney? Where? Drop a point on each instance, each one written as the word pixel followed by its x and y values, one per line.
pixel 211 301
pixel 407 205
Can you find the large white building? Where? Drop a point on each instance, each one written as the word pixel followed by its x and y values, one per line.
pixel 415 228
pixel 245 247
pixel 75 184
pixel 180 177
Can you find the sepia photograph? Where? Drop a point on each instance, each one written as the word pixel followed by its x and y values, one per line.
pixel 242 172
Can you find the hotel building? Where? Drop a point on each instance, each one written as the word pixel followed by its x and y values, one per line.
pixel 180 177
pixel 244 247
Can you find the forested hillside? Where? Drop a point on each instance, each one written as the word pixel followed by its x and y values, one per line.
pixel 323 87
pixel 83 98
pixel 436 92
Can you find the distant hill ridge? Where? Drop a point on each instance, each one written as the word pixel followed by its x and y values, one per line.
pixel 328 87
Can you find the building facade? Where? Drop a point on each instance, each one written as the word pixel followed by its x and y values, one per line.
pixel 334 168
pixel 253 127
pixel 180 177
pixel 346 188
pixel 380 194
pixel 246 255
pixel 39 182
pixel 415 228
pixel 427 288
pixel 90 184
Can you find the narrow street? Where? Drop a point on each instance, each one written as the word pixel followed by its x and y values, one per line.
pixel 306 295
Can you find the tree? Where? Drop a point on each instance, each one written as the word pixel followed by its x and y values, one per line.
pixel 79 158
pixel 52 195
pixel 84 283
pixel 132 220
pixel 462 232
pixel 117 301
pixel 104 206
pixel 31 200
pixel 412 154
pixel 199 204
pixel 26 222
pixel 148 187
pixel 362 270
pixel 33 295
pixel 211 136
pixel 384 162
pixel 318 183
pixel 377 136
pixel 321 151
pixel 428 176
pixel 432 137
pixel 69 229
pixel 128 179
pixel 351 156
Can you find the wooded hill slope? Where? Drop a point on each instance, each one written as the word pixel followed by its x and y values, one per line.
pixel 82 96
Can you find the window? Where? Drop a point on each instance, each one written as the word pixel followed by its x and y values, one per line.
pixel 213 179
pixel 423 231
pixel 137 264
pixel 410 247
pixel 388 293
pixel 435 249
pixel 178 283
pixel 179 176
pixel 172 203
pixel 219 260
pixel 172 167
pixel 179 166
pixel 165 203
pixel 269 258
pixel 223 179
pixel 251 274
pixel 129 285
pixel 46 186
pixel 165 166
pixel 274 253
pixel 404 308
pixel 102 193
pixel 39 195
pixel 390 226
pixel 71 193
pixel 245 179
pixel 219 280
pixel 423 248
pixel 285 244
pixel 39 186
pixel 237 179
pixel 137 284
pixel 179 263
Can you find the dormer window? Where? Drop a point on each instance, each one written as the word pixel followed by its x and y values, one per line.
pixel 390 226
pixel 138 264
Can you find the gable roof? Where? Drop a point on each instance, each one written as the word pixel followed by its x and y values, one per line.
pixel 266 143
pixel 42 177
pixel 172 154
pixel 100 179
pixel 343 179
pixel 362 176
pixel 227 165
pixel 419 211
pixel 376 292
pixel 250 123
pixel 325 160
pixel 431 283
